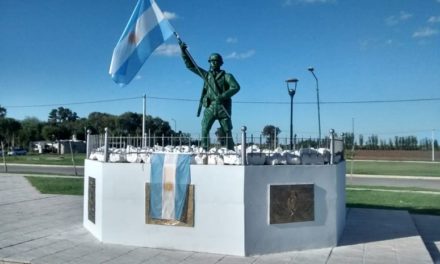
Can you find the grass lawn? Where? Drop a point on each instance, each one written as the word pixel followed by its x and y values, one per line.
pixel 415 200
pixel 47 159
pixel 394 168
pixel 54 185
pixel 411 199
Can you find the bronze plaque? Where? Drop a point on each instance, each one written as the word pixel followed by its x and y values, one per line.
pixel 92 199
pixel 187 215
pixel 291 203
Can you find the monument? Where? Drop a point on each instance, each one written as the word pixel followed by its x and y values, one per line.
pixel 218 88
pixel 229 209
pixel 241 209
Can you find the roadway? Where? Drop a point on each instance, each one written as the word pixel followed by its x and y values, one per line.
pixel 42 169
pixel 355 179
pixel 395 181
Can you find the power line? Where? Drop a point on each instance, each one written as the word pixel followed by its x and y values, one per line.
pixel 236 102
pixel 322 102
pixel 74 103
pixel 383 101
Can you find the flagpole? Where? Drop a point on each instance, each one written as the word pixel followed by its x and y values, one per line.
pixel 198 70
pixel 144 108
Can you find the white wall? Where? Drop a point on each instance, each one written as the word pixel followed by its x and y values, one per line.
pixel 94 170
pixel 219 209
pixel 261 237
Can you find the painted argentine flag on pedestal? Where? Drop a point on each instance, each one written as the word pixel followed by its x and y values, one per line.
pixel 146 30
pixel 169 179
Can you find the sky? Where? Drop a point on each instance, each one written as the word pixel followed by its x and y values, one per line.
pixel 57 53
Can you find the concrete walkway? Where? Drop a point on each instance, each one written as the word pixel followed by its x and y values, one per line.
pixel 37 228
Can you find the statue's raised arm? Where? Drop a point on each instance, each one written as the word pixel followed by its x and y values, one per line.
pixel 189 62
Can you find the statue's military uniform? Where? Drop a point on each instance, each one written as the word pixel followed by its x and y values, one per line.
pixel 218 89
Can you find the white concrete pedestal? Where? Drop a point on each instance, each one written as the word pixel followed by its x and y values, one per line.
pixel 231 208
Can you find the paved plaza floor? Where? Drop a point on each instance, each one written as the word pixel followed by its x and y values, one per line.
pixel 39 228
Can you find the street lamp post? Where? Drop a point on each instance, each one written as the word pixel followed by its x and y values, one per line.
pixel 291 92
pixel 311 69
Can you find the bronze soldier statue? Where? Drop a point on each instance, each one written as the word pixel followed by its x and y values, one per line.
pixel 218 89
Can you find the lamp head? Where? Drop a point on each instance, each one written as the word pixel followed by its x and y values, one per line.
pixel 311 69
pixel 290 90
pixel 294 80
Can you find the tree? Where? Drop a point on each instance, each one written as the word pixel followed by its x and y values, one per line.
pixel 54 133
pixel 130 123
pixel 348 140
pixel 361 140
pixel 79 128
pixel 62 115
pixel 31 129
pixel 98 121
pixel 9 129
pixel 2 112
pixel 271 133
pixel 372 142
pixel 159 127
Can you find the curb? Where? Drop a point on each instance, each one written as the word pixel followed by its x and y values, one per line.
pixel 392 177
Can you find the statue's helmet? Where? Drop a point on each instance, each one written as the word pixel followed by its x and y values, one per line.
pixel 217 57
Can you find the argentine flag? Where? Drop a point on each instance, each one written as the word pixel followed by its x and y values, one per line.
pixel 146 30
pixel 169 179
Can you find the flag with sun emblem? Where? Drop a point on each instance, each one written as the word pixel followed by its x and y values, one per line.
pixel 146 30
pixel 169 179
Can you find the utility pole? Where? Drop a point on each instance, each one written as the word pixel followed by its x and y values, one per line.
pixel 432 145
pixel 352 147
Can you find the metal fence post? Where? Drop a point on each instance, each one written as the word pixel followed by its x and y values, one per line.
pixel 88 144
pixel 243 146
pixel 261 141
pixel 332 145
pixel 294 142
pixel 3 155
pixel 106 145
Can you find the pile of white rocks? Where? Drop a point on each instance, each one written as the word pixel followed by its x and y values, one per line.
pixel 222 156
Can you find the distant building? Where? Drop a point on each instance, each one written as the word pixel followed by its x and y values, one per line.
pixel 60 147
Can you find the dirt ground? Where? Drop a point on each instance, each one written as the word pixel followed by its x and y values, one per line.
pixel 406 155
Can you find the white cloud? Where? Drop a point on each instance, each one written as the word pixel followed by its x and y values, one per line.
pixel 404 15
pixel 170 15
pixel 425 33
pixel 240 56
pixel 391 21
pixel 434 19
pixel 168 50
pixel 396 19
pixel 231 40
pixel 138 77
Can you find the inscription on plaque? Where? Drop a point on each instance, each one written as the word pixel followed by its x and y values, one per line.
pixel 291 203
pixel 92 199
pixel 187 215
